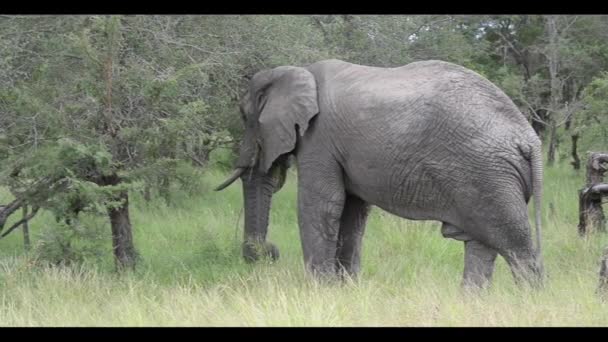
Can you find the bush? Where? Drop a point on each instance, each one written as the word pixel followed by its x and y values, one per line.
pixel 222 159
pixel 62 244
pixel 190 178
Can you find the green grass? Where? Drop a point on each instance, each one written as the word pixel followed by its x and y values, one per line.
pixel 191 272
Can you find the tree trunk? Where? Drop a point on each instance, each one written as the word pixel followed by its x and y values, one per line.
pixel 125 255
pixel 122 237
pixel 552 143
pixel 26 230
pixel 164 188
pixel 590 197
pixel 576 163
pixel 603 286
pixel 555 99
pixel 146 193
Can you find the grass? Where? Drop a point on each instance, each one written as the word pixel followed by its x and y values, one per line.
pixel 191 272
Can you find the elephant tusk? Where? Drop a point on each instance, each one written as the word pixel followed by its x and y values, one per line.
pixel 235 174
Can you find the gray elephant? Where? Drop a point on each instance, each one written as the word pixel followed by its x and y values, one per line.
pixel 429 140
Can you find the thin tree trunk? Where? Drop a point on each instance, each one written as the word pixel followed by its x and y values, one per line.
pixel 603 286
pixel 164 188
pixel 576 163
pixel 552 143
pixel 26 230
pixel 147 193
pixel 553 60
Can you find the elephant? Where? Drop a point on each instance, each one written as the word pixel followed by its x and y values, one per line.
pixel 429 140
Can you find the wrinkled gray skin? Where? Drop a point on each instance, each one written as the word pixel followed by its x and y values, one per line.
pixel 427 141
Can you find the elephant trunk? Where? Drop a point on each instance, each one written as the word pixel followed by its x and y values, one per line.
pixel 258 188
pixel 257 193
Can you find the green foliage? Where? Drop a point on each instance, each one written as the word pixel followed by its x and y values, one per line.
pixel 64 177
pixel 509 81
pixel 222 159
pixel 593 119
pixel 60 244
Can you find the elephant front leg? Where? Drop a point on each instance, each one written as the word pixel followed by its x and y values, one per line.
pixel 320 203
pixel 479 263
pixel 350 236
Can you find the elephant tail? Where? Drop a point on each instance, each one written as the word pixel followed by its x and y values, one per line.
pixel 537 189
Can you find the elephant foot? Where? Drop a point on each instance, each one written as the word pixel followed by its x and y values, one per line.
pixel 323 272
pixel 528 272
pixel 253 251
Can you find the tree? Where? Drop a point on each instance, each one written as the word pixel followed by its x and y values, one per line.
pixel 544 63
pixel 106 103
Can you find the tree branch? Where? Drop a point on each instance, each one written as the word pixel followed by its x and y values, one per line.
pixel 196 160
pixel 534 115
pixel 8 210
pixel 175 42
pixel 20 222
pixel 428 24
pixel 564 30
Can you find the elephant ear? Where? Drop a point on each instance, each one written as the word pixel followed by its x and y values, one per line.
pixel 287 96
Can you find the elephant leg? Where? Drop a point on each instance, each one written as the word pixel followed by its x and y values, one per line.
pixel 500 222
pixel 352 227
pixel 479 259
pixel 514 243
pixel 321 199
pixel 478 265
pixel 525 265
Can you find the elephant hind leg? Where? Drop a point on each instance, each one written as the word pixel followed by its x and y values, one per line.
pixel 513 241
pixel 525 265
pixel 479 259
pixel 352 228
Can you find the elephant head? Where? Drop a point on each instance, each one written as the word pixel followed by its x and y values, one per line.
pixel 279 104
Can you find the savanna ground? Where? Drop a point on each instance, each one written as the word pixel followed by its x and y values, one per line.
pixel 191 272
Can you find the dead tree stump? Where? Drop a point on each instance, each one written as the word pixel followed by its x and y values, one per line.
pixel 590 197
